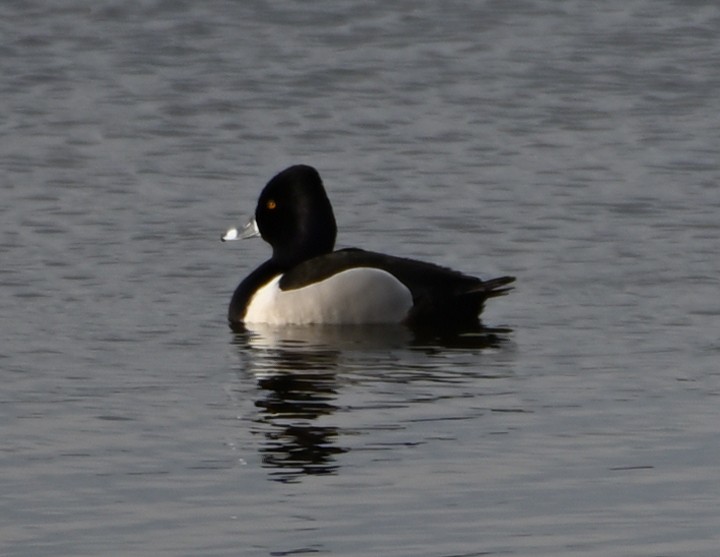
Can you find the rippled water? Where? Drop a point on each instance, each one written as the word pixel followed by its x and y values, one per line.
pixel 573 145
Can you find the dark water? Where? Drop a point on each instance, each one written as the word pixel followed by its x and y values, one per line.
pixel 571 144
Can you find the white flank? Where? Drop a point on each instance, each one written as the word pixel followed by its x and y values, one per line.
pixel 353 297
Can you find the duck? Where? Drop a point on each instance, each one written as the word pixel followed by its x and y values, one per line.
pixel 307 281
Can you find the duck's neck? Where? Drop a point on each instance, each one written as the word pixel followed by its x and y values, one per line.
pixel 294 253
pixel 247 288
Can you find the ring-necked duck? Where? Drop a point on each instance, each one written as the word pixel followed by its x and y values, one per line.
pixel 306 282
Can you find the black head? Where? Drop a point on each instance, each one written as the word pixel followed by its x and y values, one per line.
pixel 295 217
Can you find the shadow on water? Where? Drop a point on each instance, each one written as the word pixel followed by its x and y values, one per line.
pixel 298 373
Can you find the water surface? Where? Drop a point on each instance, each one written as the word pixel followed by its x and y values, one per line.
pixel 573 145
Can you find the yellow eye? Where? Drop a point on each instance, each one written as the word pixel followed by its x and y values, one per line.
pixel 271 204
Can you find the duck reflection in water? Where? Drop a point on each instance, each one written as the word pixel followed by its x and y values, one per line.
pixel 300 391
pixel 296 369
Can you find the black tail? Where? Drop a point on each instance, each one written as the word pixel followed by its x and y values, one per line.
pixel 494 287
pixel 458 311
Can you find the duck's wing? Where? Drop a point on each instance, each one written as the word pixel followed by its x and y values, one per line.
pixel 439 293
pixel 418 276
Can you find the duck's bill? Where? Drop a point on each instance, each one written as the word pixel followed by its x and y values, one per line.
pixel 250 230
